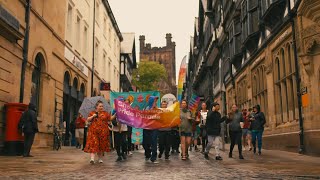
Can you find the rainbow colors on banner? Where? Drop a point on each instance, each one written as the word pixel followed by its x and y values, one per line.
pixel 148 119
pixel 182 77
pixel 194 103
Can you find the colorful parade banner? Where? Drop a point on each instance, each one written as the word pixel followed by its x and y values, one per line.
pixel 194 103
pixel 148 119
pixel 139 100
pixel 182 77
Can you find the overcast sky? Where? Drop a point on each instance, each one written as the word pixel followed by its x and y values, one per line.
pixel 155 18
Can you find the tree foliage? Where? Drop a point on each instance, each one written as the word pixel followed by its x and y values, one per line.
pixel 148 74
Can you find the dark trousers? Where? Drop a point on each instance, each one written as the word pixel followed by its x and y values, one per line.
pixel 120 140
pixel 175 140
pixel 28 141
pixel 129 140
pixel 204 138
pixel 165 139
pixel 150 141
pixel 236 137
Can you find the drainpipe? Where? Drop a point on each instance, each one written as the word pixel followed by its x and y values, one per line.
pixel 93 45
pixel 25 50
pixel 292 15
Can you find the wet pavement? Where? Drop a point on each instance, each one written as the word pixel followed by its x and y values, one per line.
pixel 70 163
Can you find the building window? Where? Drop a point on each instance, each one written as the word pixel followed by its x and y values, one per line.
pixel 104 26
pixel 96 57
pixel 97 12
pixel 216 77
pixel 85 41
pixel 109 71
pixel 69 23
pixel 109 34
pixel 78 27
pixel 285 86
pixel 104 65
pixel 242 94
pixel 36 82
pixel 259 90
pixel 249 18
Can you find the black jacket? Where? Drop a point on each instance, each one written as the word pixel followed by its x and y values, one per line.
pixel 259 120
pixel 213 122
pixel 29 120
pixel 234 122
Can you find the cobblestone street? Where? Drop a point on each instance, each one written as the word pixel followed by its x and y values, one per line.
pixel 73 164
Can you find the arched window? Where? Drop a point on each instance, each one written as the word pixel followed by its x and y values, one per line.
pixel 285 86
pixel 260 91
pixel 36 81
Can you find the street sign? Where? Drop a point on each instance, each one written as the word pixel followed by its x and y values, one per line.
pixel 105 86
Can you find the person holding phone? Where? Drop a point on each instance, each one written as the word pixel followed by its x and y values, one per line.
pixel 185 129
pixel 98 141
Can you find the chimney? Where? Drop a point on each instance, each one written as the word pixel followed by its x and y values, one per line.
pixel 142 40
pixel 169 37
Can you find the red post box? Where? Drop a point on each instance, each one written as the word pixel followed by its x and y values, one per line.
pixel 13 143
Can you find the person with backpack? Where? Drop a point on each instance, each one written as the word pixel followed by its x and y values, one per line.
pixel 202 117
pixel 29 126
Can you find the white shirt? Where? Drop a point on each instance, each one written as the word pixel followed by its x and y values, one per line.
pixel 203 117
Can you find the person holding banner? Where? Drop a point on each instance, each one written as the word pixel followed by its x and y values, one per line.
pixel 120 138
pixel 98 141
pixel 185 129
pixel 165 138
pixel 150 137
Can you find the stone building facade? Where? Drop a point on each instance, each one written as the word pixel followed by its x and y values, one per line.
pixel 58 73
pixel 164 55
pixel 257 54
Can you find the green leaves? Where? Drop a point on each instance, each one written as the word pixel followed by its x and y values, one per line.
pixel 148 75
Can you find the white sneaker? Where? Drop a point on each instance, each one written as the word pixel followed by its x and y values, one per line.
pixel 91 161
pixel 130 153
pixel 100 161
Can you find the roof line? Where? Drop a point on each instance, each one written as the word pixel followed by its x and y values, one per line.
pixel 113 20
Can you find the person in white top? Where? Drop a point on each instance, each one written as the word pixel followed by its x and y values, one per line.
pixel 202 117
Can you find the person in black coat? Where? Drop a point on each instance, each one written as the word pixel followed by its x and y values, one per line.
pixel 29 128
pixel 213 128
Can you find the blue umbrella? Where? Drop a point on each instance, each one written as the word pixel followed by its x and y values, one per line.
pixel 89 104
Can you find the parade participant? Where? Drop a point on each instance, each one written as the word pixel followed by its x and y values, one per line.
pixel 120 138
pixel 165 138
pixel 130 146
pixel 213 127
pixel 80 124
pixel 195 134
pixel 235 130
pixel 98 141
pixel 257 126
pixel 202 117
pixel 185 129
pixel 150 137
pixel 246 133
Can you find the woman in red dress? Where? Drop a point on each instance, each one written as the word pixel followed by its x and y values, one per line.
pixel 98 135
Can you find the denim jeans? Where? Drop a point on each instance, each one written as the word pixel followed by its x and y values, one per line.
pixel 257 134
pixel 150 143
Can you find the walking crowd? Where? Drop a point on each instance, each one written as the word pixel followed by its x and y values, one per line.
pixel 200 129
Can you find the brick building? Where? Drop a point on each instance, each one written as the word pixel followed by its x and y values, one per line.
pixel 164 55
